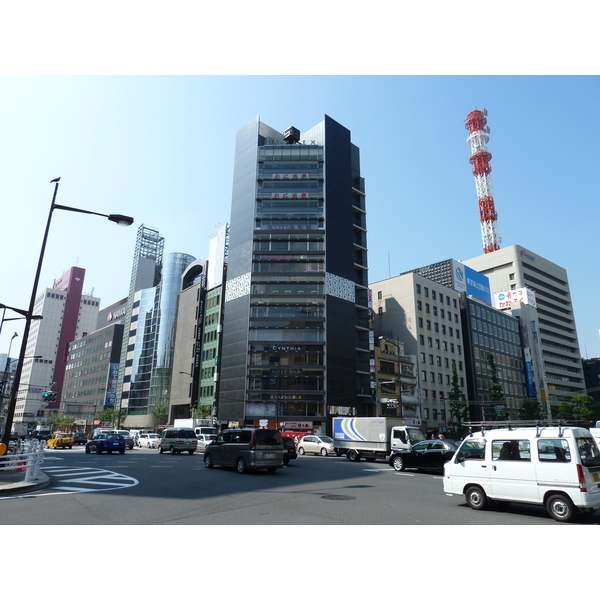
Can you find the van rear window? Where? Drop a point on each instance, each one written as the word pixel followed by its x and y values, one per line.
pixel 588 452
pixel 268 437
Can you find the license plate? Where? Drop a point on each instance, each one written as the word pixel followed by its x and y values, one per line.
pixel 115 443
pixel 270 455
pixel 596 476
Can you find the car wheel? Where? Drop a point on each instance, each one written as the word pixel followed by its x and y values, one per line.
pixel 560 507
pixel 160 449
pixel 301 450
pixel 208 463
pixel 286 461
pixel 398 463
pixel 87 450
pixel 323 451
pixel 121 451
pixel 240 465
pixel 190 452
pixel 476 498
pixel 172 450
pixel 98 450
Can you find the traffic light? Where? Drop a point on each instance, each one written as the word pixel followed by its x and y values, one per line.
pixel 49 396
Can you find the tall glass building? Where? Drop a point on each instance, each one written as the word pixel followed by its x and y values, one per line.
pixel 296 338
pixel 151 341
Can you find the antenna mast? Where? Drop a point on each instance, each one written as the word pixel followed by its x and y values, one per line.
pixel 480 159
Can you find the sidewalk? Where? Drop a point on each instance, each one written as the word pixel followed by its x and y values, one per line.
pixel 12 483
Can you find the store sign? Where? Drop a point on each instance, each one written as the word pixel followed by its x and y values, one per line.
pixel 290 176
pixel 511 297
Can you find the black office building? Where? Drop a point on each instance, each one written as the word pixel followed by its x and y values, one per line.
pixel 295 327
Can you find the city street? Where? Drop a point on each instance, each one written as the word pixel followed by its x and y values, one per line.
pixel 144 487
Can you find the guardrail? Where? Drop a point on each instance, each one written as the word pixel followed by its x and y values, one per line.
pixel 26 457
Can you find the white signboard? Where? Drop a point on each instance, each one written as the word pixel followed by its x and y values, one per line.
pixel 511 297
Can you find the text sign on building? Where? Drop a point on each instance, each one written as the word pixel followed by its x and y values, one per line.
pixel 471 282
pixel 511 297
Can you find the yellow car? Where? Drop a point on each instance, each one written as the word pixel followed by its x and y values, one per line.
pixel 60 440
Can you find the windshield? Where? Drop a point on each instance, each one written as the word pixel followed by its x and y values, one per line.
pixel 588 451
pixel 415 435
pixel 326 439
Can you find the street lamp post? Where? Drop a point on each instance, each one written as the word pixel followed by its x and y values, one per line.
pixel 120 220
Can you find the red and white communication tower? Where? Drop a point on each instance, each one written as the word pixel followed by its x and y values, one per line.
pixel 480 159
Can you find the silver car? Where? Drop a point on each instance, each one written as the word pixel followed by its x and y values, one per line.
pixel 204 439
pixel 177 440
pixel 317 444
pixel 246 449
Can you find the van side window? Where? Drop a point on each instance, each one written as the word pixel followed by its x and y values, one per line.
pixel 511 450
pixel 588 451
pixel 554 450
pixel 471 450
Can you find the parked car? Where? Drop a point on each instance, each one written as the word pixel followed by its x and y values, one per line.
pixel 147 440
pixel 106 442
pixel 317 444
pixel 177 440
pixel 79 437
pixel 289 450
pixel 60 440
pixel 430 454
pixel 43 434
pixel 246 449
pixel 204 439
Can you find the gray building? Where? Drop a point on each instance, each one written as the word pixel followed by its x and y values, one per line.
pixel 517 268
pixel 296 316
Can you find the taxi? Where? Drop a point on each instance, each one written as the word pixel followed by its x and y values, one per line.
pixel 60 440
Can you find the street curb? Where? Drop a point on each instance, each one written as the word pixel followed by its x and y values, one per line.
pixel 22 487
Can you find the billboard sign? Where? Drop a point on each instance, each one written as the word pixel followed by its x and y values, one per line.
pixel 507 299
pixel 471 282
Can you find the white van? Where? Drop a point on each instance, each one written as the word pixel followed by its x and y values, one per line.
pixel 555 466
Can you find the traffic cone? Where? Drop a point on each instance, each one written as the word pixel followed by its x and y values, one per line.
pixel 19 468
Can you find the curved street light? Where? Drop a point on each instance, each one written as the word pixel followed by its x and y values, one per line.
pixel 120 220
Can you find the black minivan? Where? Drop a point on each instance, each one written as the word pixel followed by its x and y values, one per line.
pixel 246 449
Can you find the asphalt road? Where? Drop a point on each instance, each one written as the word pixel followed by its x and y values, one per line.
pixel 143 487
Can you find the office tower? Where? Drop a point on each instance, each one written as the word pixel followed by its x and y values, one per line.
pixel 296 321
pixel 425 317
pixel 151 336
pixel 145 274
pixel 516 268
pixel 67 314
pixel 91 374
pixel 188 342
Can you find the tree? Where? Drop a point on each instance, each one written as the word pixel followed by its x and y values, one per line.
pixel 459 408
pixel 160 412
pixel 497 394
pixel 583 408
pixel 112 416
pixel 531 410
pixel 61 422
pixel 565 411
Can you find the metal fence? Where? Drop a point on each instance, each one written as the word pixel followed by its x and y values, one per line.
pixel 25 457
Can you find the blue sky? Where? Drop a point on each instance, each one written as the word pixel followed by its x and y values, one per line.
pixel 160 149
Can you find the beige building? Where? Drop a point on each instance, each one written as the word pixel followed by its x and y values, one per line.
pixel 425 317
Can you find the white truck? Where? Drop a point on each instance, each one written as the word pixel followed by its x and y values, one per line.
pixel 198 425
pixel 595 432
pixel 372 438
